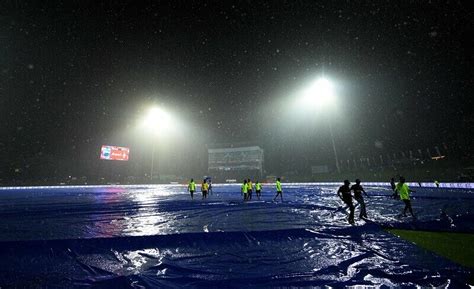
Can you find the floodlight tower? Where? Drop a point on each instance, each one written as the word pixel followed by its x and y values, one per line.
pixel 156 120
pixel 321 94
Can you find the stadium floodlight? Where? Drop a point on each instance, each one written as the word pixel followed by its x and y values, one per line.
pixel 157 119
pixel 320 93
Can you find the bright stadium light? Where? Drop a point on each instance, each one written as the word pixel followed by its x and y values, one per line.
pixel 157 119
pixel 320 93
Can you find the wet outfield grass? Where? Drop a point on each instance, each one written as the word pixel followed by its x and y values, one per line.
pixel 457 247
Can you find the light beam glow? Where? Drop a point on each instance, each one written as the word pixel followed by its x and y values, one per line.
pixel 320 94
pixel 157 120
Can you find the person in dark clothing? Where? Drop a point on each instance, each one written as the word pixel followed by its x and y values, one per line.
pixel 392 184
pixel 358 190
pixel 344 194
pixel 209 188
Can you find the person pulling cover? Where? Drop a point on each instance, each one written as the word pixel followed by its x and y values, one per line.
pixel 358 190
pixel 344 193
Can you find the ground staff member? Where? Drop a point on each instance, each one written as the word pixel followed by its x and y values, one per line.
pixel 258 189
pixel 249 188
pixel 279 190
pixel 344 193
pixel 404 191
pixel 358 190
pixel 244 189
pixel 393 185
pixel 204 188
pixel 192 188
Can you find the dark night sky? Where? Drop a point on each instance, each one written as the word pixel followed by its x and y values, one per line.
pixel 74 75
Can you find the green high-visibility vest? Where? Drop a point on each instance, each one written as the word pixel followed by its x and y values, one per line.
pixel 403 190
pixel 278 185
pixel 245 188
pixel 192 186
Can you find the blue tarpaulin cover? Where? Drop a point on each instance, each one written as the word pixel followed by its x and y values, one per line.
pixel 156 236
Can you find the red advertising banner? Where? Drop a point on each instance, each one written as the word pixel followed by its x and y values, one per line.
pixel 114 153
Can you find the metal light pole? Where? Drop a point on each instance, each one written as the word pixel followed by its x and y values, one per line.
pixel 321 94
pixel 156 120
pixel 334 148
pixel 152 160
pixel 153 156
